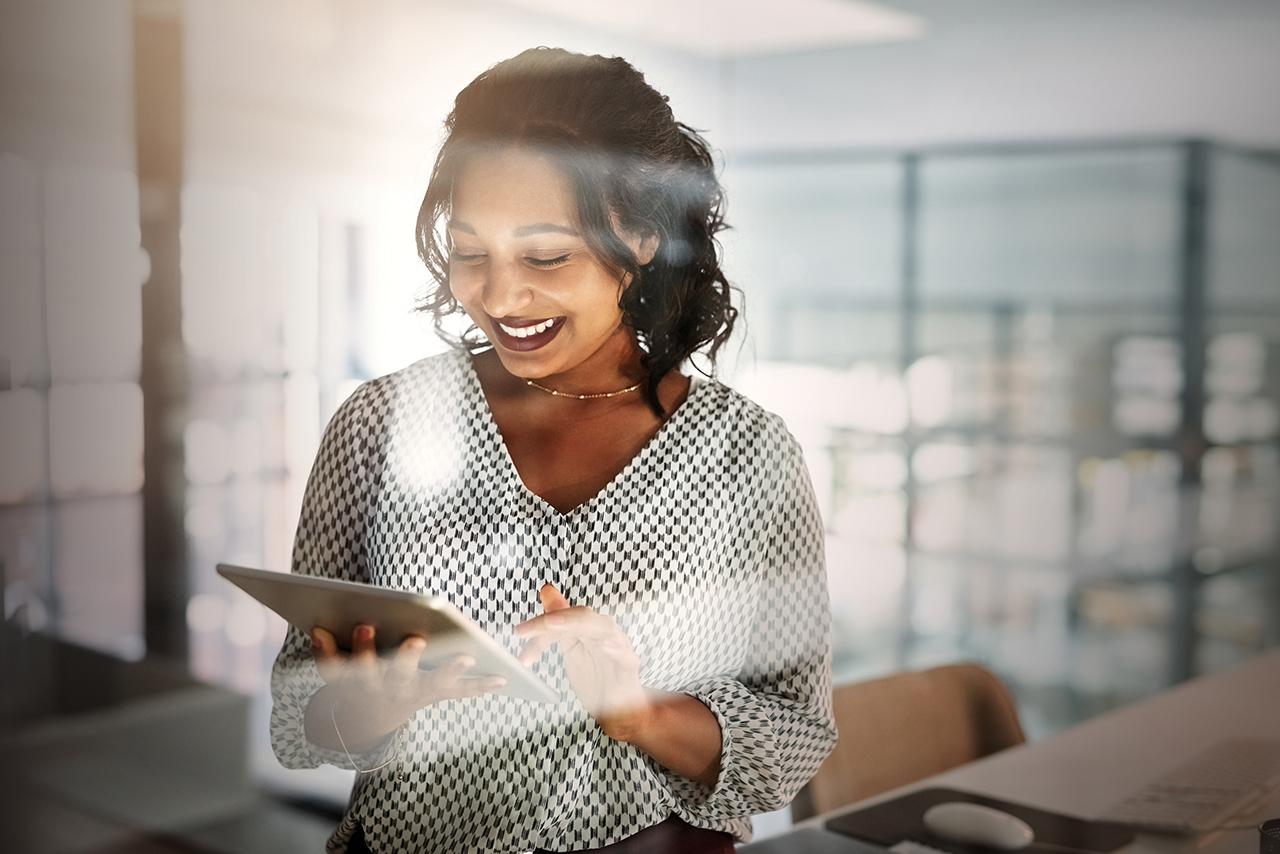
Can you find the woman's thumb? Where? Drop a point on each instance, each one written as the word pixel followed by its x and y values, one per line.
pixel 552 599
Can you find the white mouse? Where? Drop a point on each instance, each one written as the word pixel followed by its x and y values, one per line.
pixel 975 824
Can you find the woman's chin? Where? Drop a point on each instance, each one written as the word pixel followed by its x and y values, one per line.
pixel 525 365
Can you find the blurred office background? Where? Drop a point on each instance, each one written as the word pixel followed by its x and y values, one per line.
pixel 1011 273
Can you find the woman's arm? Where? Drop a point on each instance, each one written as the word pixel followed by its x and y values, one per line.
pixel 775 714
pixel 756 737
pixel 341 492
pixel 326 704
pixel 678 731
pixel 675 729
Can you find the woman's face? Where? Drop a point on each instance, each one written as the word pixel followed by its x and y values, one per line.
pixel 523 272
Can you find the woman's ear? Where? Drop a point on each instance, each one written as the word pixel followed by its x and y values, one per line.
pixel 648 248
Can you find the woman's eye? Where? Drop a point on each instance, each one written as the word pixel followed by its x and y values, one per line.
pixel 466 258
pixel 548 262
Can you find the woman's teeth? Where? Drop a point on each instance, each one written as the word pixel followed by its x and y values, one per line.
pixel 526 331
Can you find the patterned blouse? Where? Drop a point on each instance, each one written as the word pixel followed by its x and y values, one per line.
pixel 706 549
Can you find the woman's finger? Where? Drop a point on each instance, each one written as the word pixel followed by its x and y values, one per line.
pixel 552 599
pixel 569 622
pixel 362 642
pixel 475 686
pixel 617 646
pixel 561 617
pixel 329 659
pixel 533 650
pixel 404 664
pixel 610 655
pixel 323 646
pixel 443 680
pixel 450 667
pixel 453 682
pixel 455 667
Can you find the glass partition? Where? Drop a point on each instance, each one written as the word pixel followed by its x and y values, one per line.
pixel 996 360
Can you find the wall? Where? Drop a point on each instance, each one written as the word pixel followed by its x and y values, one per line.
pixel 995 70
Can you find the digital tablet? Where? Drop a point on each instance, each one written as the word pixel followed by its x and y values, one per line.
pixel 307 602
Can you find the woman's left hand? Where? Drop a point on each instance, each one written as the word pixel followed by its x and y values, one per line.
pixel 603 668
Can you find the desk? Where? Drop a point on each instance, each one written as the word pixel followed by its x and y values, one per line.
pixel 1084 770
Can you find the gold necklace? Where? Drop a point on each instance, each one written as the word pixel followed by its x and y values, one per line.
pixel 595 396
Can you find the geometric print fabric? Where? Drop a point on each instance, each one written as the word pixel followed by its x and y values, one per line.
pixel 706 549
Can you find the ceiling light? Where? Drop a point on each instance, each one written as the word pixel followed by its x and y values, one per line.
pixel 738 27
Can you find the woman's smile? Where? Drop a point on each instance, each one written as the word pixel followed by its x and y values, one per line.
pixel 526 335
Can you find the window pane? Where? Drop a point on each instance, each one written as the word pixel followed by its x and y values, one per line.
pixel 1245 219
pixel 1051 228
pixel 95 438
pixel 94 268
pixel 99 573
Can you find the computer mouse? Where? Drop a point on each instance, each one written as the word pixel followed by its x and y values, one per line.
pixel 974 824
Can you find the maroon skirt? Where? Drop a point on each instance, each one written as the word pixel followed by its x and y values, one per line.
pixel 672 836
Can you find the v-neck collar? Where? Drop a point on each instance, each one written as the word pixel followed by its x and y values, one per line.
pixel 631 469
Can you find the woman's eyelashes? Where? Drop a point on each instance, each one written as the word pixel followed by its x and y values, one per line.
pixel 466 257
pixel 548 262
pixel 475 258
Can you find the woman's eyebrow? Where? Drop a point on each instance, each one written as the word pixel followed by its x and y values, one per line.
pixel 543 228
pixel 522 231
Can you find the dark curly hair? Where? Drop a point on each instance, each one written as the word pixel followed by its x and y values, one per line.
pixel 629 161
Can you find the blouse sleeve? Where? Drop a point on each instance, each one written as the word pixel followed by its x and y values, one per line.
pixel 340 492
pixel 775 717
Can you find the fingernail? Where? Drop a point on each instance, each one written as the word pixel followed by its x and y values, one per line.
pixel 365 632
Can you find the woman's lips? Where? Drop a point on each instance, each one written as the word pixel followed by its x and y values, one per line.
pixel 526 335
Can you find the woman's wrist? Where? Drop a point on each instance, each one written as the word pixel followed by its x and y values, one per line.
pixel 634 725
pixel 339 723
pixel 677 730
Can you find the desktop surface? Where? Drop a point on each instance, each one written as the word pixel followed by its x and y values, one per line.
pixel 1086 770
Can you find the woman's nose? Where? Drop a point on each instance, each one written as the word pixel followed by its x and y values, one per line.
pixel 505 291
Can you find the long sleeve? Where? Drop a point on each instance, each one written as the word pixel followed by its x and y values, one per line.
pixel 329 542
pixel 775 716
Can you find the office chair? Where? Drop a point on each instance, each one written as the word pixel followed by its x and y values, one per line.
pixel 908 726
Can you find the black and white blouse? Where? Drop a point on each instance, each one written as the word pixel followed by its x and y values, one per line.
pixel 706 549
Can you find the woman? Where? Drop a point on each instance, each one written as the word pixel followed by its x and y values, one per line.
pixel 649 545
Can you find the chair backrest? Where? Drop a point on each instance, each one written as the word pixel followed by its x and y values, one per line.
pixel 909 726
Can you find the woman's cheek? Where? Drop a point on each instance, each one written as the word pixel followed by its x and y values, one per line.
pixel 461 283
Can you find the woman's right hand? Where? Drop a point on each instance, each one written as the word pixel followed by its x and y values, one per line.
pixel 368 697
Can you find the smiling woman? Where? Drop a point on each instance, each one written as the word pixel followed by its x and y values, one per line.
pixel 666 528
pixel 636 188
